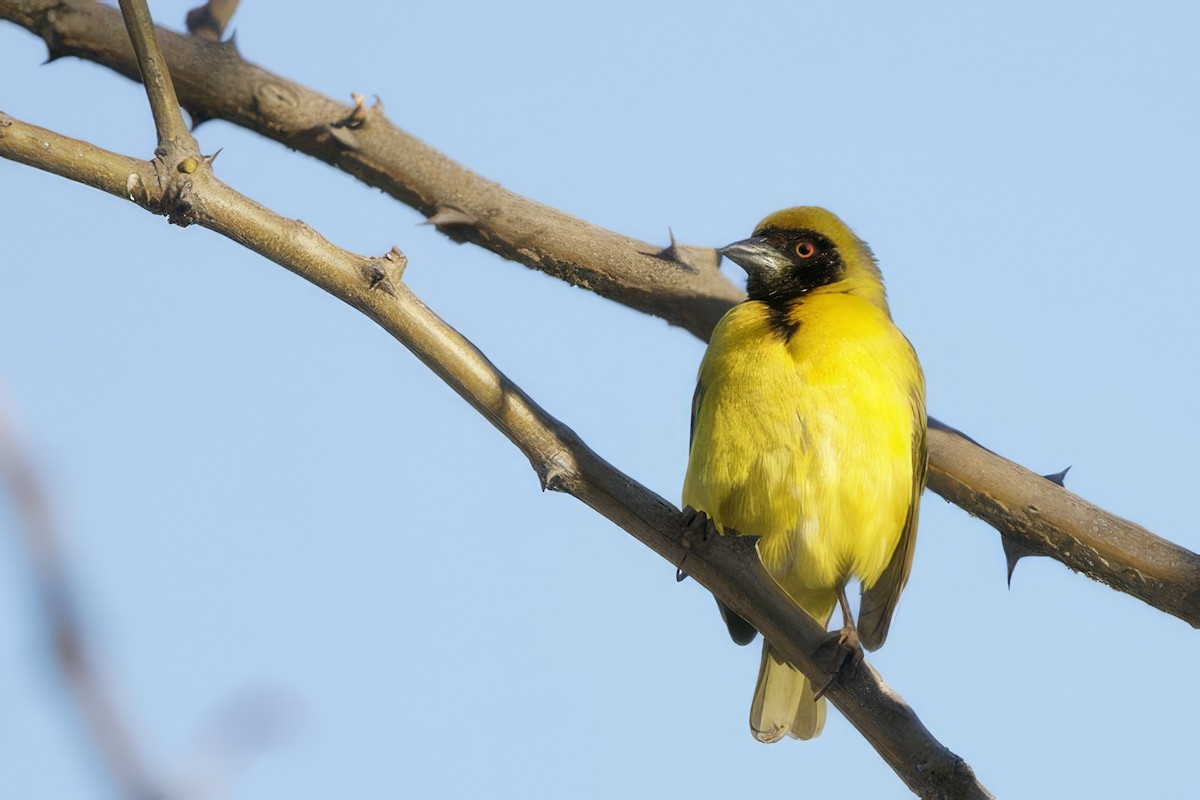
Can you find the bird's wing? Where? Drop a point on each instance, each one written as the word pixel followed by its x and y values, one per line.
pixel 741 631
pixel 697 399
pixel 879 601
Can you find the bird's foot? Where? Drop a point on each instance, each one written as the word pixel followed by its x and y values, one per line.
pixel 697 526
pixel 841 651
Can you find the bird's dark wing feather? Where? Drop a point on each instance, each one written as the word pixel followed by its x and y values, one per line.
pixel 741 631
pixel 879 601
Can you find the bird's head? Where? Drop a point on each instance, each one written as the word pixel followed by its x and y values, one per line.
pixel 802 250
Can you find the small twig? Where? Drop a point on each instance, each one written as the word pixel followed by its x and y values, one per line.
pixel 100 713
pixel 172 130
pixel 209 20
pixel 727 566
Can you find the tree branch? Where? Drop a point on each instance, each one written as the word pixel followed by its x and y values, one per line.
pixel 172 130
pixel 1037 517
pixel 682 286
pixel 728 566
pixel 215 82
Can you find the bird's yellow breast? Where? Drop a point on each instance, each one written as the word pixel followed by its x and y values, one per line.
pixel 803 434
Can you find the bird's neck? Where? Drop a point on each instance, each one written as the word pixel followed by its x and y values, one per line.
pixel 870 290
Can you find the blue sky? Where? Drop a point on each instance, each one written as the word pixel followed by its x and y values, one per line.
pixel 262 493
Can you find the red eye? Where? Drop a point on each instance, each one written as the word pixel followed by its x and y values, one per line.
pixel 805 249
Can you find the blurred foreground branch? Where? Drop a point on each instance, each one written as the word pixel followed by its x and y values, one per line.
pixel 36 526
pixel 681 285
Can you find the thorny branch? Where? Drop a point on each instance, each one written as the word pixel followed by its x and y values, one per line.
pixel 727 566
pixel 679 284
pixel 214 81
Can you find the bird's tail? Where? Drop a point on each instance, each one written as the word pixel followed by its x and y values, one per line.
pixel 783 699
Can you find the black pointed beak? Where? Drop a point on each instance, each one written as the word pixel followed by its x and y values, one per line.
pixel 753 255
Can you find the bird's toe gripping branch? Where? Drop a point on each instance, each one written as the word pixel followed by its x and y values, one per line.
pixel 697 527
pixel 842 651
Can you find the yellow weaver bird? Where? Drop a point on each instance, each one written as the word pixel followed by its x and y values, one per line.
pixel 808 430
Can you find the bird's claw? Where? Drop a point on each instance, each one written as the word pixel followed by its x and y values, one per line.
pixel 697 526
pixel 841 651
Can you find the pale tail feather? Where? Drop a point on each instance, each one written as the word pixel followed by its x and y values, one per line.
pixel 783 702
pixel 783 699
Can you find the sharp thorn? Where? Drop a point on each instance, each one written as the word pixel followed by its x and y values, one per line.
pixel 1014 551
pixel 1058 477
pixel 344 136
pixel 447 216
pixel 671 251
pixel 937 424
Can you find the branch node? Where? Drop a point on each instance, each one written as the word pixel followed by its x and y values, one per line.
pixel 275 99
pixel 555 482
pixel 399 261
pixel 342 130
pixel 378 273
pixel 177 202
pixel 358 115
pixel 558 473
